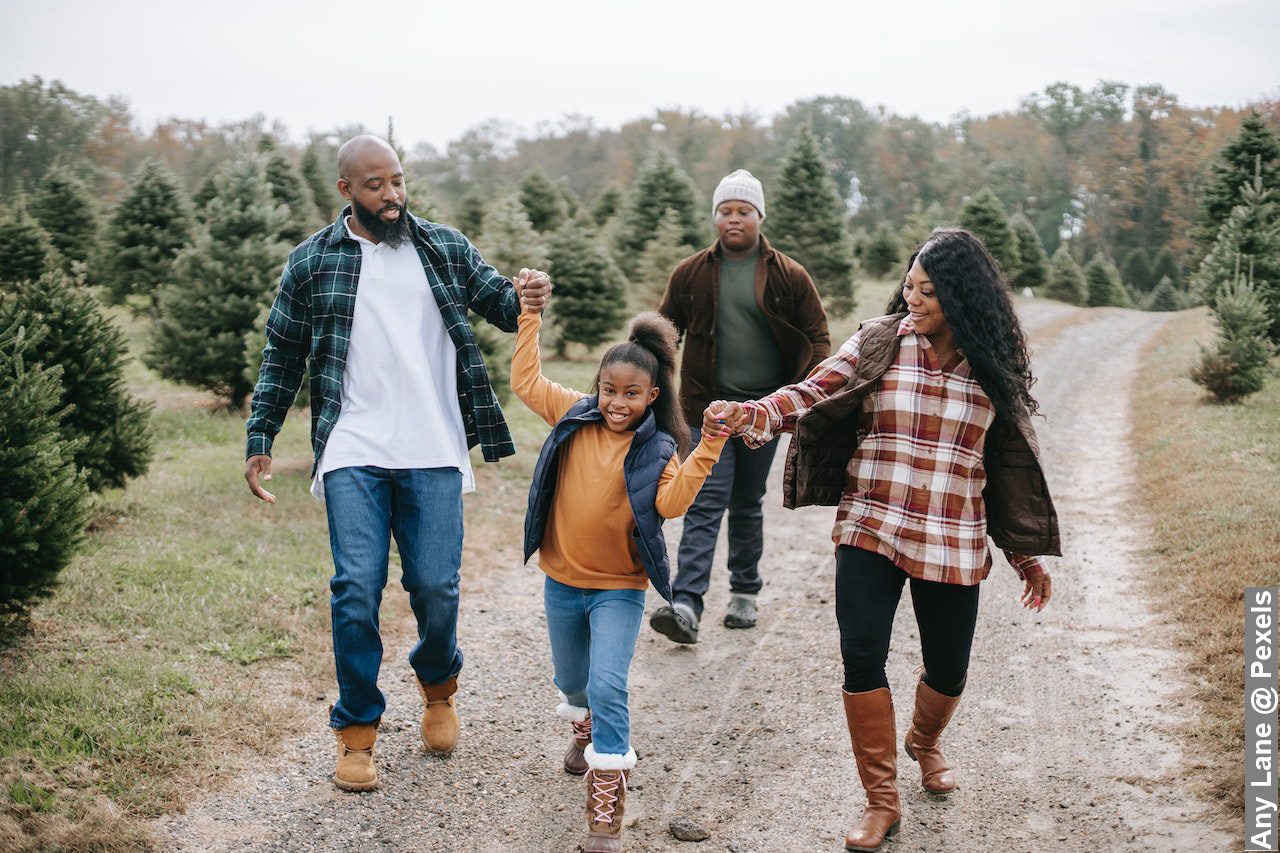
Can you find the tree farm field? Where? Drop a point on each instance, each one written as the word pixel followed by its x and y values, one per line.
pixel 191 634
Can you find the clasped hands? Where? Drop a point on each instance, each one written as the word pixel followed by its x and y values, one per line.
pixel 534 287
pixel 723 418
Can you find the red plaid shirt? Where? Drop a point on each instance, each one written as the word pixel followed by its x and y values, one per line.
pixel 914 490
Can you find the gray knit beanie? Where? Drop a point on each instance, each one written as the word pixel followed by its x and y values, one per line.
pixel 739 186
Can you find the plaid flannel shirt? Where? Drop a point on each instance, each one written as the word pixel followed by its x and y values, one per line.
pixel 311 318
pixel 914 489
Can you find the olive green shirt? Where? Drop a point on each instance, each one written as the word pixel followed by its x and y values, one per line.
pixel 749 364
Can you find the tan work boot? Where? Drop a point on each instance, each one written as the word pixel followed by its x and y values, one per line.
pixel 439 715
pixel 933 712
pixel 355 758
pixel 869 715
pixel 606 806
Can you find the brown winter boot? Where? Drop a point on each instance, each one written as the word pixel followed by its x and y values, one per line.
pixel 933 712
pixel 606 805
pixel 439 716
pixel 355 758
pixel 875 747
pixel 574 760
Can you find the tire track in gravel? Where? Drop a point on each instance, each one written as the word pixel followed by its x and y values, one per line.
pixel 744 731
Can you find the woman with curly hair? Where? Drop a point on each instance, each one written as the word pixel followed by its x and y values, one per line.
pixel 919 430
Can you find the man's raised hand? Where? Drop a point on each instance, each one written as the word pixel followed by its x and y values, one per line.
pixel 534 287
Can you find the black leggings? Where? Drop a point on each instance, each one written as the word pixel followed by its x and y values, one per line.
pixel 868 586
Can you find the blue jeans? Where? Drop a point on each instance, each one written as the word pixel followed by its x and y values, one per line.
pixel 736 484
pixel 422 508
pixel 593 637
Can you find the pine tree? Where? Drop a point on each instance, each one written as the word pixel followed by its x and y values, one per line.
pixel 1165 297
pixel 542 202
pixel 110 429
pixel 322 190
pixel 149 227
pixel 984 216
pixel 917 227
pixel 1166 266
pixel 1232 170
pixel 422 200
pixel 660 184
pixel 507 239
pixel 63 207
pixel 1250 236
pixel 590 295
pixel 1033 263
pixel 43 499
pixel 1136 271
pixel 806 221
pixel 470 215
pixel 659 258
pixel 1104 285
pixel 1066 281
pixel 287 189
pixel 205 194
pixel 1239 364
pixel 607 204
pixel 572 201
pixel 882 253
pixel 25 250
pixel 220 284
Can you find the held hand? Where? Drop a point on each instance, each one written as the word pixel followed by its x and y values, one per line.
pixel 1037 592
pixel 534 287
pixel 253 466
pixel 713 423
pixel 733 415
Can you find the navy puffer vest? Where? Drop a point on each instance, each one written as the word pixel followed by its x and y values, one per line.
pixel 651 450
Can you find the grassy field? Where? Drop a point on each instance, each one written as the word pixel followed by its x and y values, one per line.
pixel 192 631
pixel 1208 478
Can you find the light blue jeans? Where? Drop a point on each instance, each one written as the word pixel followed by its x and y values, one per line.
pixel 593 638
pixel 422 508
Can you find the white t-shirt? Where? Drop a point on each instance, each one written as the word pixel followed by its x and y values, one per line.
pixel 400 383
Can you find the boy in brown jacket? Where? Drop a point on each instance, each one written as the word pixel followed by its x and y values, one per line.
pixel 751 321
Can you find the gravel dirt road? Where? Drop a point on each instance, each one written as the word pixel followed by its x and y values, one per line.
pixel 1061 742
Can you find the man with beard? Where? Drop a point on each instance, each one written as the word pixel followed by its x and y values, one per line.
pixel 753 322
pixel 378 302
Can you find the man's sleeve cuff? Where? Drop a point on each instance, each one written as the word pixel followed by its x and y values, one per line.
pixel 259 444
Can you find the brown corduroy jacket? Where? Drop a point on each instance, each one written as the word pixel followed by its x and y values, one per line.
pixel 786 296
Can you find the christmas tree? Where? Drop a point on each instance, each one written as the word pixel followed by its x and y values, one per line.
pixel 1066 281
pixel 507 238
pixel 148 229
pixel 1254 150
pixel 1240 362
pixel 1165 297
pixel 288 189
pixel 590 297
pixel 984 216
pixel 1102 280
pixel 660 184
pixel 1166 266
pixel 806 221
pixel 220 284
pixel 469 217
pixel 542 201
pixel 659 258
pixel 607 204
pixel 322 190
pixel 68 214
pixel 110 429
pixel 25 250
pixel 882 253
pixel 43 499
pixel 1136 271
pixel 1033 263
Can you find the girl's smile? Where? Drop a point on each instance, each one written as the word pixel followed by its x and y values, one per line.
pixel 626 392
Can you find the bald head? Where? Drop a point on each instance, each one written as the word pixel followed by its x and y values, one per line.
pixel 354 153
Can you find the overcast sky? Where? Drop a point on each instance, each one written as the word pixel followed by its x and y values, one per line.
pixel 440 68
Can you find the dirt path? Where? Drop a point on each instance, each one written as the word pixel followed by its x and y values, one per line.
pixel 1059 744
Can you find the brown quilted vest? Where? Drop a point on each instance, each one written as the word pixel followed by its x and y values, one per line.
pixel 1020 513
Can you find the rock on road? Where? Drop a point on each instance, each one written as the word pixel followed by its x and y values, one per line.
pixel 1060 742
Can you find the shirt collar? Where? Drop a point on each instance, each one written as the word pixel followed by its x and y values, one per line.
pixel 906 327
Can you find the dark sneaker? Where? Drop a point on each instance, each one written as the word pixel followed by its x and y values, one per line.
pixel 741 612
pixel 676 623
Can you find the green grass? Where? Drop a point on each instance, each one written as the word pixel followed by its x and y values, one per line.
pixel 1207 477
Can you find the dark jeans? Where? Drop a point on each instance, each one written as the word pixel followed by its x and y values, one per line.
pixel 737 483
pixel 422 508
pixel 868 586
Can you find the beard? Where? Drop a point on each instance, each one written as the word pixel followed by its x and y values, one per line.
pixel 391 233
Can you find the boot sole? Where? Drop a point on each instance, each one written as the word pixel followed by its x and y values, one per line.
pixel 667 625
pixel 355 787
pixel 907 746
pixel 888 833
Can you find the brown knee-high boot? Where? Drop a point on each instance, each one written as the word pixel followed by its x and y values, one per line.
pixel 875 746
pixel 933 712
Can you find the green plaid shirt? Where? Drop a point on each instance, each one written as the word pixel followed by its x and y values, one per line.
pixel 311 317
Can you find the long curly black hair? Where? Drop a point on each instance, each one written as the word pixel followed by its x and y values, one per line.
pixel 651 346
pixel 975 301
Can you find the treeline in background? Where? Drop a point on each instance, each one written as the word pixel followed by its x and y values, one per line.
pixel 1109 196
